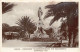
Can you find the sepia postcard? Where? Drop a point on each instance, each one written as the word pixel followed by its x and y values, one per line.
pixel 39 26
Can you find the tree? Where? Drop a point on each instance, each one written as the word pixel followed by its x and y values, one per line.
pixel 15 28
pixel 64 29
pixel 68 10
pixel 27 25
pixel 6 7
pixel 5 28
pixel 49 32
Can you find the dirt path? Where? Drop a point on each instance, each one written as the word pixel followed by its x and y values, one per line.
pixel 19 43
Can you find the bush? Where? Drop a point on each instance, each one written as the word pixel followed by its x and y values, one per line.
pixel 42 39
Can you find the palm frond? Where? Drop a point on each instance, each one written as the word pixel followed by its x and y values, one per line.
pixel 26 24
pixel 6 7
pixel 60 10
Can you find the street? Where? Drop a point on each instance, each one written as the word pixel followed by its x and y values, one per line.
pixel 19 43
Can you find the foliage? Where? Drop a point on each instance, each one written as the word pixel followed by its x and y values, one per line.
pixel 63 9
pixel 5 27
pixel 26 24
pixel 15 28
pixel 6 7
pixel 68 10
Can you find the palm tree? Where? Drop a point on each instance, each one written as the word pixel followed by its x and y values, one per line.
pixel 6 7
pixel 68 10
pixel 26 24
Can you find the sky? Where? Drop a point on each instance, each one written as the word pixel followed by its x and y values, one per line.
pixel 28 9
